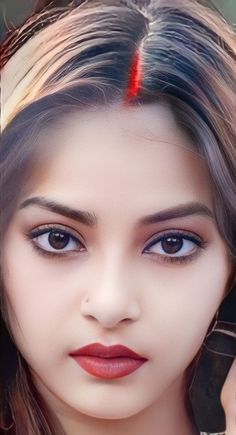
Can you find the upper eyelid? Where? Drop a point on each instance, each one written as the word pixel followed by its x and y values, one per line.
pixel 182 233
pixel 154 238
pixel 49 227
pixel 68 228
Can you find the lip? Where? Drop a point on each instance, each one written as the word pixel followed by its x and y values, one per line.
pixel 108 362
pixel 101 351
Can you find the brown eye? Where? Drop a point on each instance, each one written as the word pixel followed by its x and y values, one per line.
pixel 58 240
pixel 175 246
pixel 171 245
pixel 54 240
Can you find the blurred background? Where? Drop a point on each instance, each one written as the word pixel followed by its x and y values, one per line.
pixel 14 12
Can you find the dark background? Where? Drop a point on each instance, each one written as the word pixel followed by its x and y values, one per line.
pixel 14 12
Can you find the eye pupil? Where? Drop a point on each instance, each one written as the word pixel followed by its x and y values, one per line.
pixel 58 240
pixel 171 245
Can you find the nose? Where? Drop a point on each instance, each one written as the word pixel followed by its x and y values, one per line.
pixel 111 299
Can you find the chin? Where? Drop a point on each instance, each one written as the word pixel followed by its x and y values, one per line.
pixel 111 412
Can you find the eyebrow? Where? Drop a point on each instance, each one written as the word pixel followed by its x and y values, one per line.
pixel 90 219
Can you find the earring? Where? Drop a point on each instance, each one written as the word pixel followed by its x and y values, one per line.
pixel 7 428
pixel 221 339
pixel 211 368
pixel 214 321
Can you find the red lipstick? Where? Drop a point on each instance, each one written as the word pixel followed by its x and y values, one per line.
pixel 108 362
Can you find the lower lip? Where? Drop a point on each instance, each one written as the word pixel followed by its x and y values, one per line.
pixel 109 368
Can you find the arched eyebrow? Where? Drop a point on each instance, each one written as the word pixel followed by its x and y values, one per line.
pixel 84 217
pixel 90 219
pixel 182 210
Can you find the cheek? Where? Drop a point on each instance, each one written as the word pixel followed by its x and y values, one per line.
pixel 183 307
pixel 33 322
pixel 33 315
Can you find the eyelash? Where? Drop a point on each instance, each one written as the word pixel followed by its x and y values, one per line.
pixel 201 244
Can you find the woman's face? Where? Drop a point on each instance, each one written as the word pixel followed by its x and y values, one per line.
pixel 153 268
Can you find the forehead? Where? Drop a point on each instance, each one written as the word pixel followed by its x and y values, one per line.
pixel 121 153
pixel 150 122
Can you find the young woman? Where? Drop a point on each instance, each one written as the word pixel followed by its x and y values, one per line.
pixel 118 221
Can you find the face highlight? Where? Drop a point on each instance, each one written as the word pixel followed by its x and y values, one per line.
pixel 84 232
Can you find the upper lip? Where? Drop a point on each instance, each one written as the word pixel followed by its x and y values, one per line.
pixel 99 350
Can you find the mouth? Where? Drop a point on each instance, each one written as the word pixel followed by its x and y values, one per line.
pixel 108 362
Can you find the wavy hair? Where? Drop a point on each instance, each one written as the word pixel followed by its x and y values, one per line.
pixel 187 53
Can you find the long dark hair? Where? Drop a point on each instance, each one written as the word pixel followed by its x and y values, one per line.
pixel 187 52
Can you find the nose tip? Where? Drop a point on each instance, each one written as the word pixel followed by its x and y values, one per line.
pixel 108 313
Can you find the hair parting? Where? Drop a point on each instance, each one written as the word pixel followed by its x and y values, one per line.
pixel 135 77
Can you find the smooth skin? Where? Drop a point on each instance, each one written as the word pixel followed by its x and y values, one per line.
pixel 109 284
